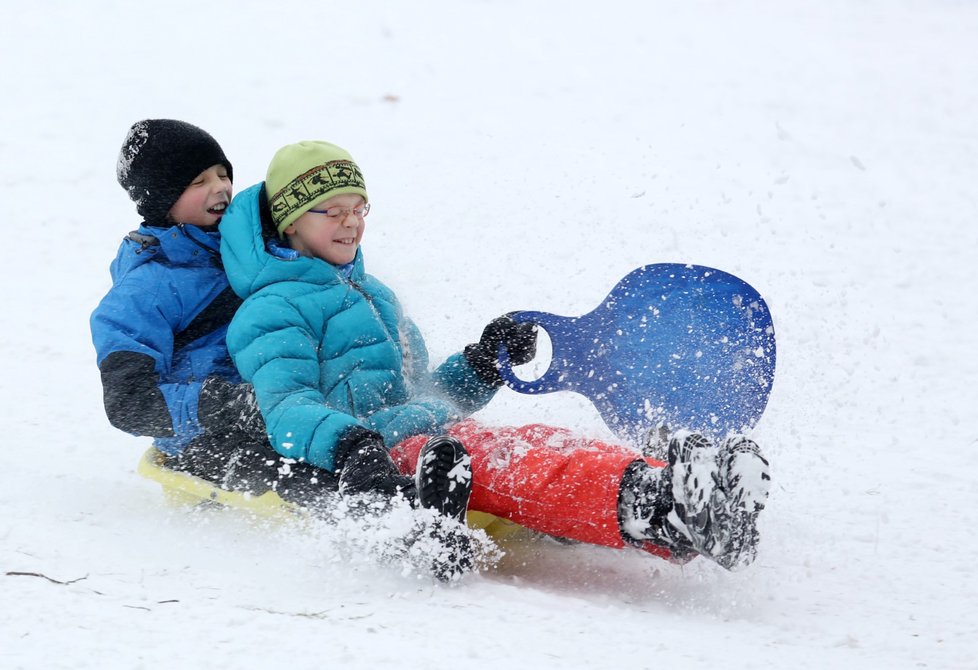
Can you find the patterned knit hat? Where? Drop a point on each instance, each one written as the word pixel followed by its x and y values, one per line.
pixel 159 160
pixel 304 174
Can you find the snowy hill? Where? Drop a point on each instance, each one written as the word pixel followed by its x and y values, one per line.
pixel 522 155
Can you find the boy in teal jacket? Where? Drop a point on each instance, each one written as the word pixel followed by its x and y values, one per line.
pixel 338 368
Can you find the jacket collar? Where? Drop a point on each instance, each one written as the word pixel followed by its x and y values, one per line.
pixel 184 244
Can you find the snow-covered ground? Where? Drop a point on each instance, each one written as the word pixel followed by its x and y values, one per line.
pixel 522 155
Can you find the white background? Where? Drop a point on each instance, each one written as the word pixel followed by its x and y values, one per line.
pixel 521 155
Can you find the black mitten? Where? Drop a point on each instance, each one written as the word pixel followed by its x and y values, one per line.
pixel 224 408
pixel 363 464
pixel 520 340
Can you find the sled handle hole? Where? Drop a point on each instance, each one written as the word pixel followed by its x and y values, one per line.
pixel 538 375
pixel 539 364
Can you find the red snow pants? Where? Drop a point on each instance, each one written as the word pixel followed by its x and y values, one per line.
pixel 544 478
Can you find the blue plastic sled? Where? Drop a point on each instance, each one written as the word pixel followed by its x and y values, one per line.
pixel 684 345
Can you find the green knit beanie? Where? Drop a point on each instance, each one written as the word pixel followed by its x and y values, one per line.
pixel 304 174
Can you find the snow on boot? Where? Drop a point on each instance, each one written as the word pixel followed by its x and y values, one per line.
pixel 444 484
pixel 745 481
pixel 451 553
pixel 655 443
pixel 644 502
pixel 444 477
pixel 694 472
pixel 705 501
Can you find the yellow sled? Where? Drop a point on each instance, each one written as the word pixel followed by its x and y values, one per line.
pixel 182 489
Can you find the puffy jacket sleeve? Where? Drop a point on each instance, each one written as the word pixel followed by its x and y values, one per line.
pixel 277 353
pixel 427 413
pixel 133 338
pixel 454 379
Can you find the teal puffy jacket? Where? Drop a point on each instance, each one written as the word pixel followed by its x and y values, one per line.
pixel 326 352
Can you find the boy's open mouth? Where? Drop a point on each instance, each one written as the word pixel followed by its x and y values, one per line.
pixel 218 209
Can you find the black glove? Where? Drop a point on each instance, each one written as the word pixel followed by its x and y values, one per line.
pixel 364 464
pixel 520 340
pixel 224 408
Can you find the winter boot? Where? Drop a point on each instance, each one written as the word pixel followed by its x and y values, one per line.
pixel 745 481
pixel 692 473
pixel 444 484
pixel 705 501
pixel 644 503
pixel 689 484
pixel 444 477
pixel 718 493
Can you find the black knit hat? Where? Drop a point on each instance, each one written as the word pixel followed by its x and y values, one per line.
pixel 159 160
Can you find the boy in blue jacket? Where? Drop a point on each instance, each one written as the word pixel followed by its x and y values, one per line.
pixel 337 366
pixel 160 336
pixel 159 333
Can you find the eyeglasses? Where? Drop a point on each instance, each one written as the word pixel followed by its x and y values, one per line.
pixel 340 213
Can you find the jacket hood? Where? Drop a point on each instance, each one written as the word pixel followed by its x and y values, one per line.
pixel 249 265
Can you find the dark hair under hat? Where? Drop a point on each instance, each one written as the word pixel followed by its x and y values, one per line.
pixel 159 160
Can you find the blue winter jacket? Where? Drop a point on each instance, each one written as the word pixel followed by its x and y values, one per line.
pixel 160 331
pixel 326 352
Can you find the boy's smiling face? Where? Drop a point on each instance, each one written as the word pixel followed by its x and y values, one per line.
pixel 332 230
pixel 204 201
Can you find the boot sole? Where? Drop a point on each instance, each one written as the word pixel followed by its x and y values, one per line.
pixel 444 477
pixel 746 482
